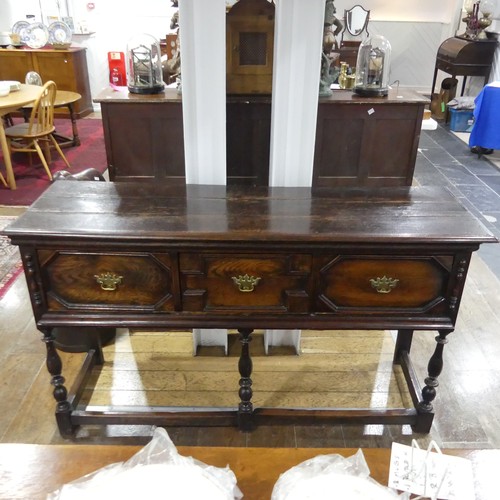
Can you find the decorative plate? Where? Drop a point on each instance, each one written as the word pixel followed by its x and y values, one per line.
pixel 59 33
pixel 38 35
pixel 21 28
pixel 33 78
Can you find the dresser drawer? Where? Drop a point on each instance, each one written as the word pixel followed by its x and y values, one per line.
pixel 131 281
pixel 347 283
pixel 245 283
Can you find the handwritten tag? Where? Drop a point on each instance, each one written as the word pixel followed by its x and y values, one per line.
pixel 430 474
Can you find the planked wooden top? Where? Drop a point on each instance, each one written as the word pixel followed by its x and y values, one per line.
pixel 157 212
pixel 32 471
pixel 395 96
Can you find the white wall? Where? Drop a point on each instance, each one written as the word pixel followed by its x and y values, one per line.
pixel 397 10
pixel 112 23
pixel 415 29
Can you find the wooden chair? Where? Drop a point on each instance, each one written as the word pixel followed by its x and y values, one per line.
pixel 32 136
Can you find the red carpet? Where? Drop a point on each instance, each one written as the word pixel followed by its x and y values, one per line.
pixel 32 180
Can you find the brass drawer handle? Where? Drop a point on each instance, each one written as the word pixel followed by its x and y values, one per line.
pixel 245 283
pixel 384 284
pixel 108 281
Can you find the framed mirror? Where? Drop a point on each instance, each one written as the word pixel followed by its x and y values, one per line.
pixel 356 20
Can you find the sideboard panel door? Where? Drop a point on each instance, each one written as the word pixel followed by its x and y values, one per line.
pixel 142 143
pixel 370 142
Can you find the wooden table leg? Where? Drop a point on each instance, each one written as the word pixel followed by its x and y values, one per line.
pixel 245 365
pixel 403 343
pixel 434 369
pixel 11 181
pixel 64 141
pixel 54 367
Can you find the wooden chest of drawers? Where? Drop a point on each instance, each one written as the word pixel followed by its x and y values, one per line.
pixel 153 256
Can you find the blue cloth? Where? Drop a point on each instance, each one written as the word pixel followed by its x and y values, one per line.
pixel 486 129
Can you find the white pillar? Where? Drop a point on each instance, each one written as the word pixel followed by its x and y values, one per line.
pixel 203 72
pixel 298 44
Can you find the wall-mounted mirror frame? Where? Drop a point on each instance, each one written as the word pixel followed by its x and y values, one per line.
pixel 356 20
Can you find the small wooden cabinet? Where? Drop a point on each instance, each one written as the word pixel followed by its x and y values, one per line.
pixel 68 68
pixel 367 141
pixel 144 137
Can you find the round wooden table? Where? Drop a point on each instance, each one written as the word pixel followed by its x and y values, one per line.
pixel 64 99
pixel 9 103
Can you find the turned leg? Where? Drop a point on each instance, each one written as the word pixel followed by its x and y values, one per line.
pixel 54 367
pixel 245 407
pixel 434 369
pixel 76 137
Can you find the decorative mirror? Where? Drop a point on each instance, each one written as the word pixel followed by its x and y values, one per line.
pixel 356 20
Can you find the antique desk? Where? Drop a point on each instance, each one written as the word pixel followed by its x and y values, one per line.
pixel 33 471
pixel 459 56
pixel 154 256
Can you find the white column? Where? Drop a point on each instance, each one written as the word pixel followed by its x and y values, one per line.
pixel 298 44
pixel 203 72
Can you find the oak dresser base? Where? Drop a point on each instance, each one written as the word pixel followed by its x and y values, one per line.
pixel 105 255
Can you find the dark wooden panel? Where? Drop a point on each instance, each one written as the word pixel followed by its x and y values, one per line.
pixel 359 141
pixel 143 143
pixel 370 142
pixel 350 282
pixel 281 282
pixel 248 142
pixel 144 281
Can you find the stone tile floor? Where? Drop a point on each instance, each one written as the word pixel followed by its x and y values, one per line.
pixel 445 159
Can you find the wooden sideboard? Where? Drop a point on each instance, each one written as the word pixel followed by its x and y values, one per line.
pixel 367 141
pixel 34 471
pixel 150 255
pixel 144 137
pixel 68 68
pixel 359 141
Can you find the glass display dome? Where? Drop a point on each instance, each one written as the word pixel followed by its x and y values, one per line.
pixel 144 72
pixel 373 67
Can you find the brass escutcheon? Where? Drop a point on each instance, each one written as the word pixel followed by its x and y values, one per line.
pixel 108 281
pixel 384 284
pixel 245 283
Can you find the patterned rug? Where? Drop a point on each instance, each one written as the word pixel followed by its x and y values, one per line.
pixel 10 260
pixel 32 180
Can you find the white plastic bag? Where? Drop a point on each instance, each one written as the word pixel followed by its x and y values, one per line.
pixel 331 477
pixel 157 471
